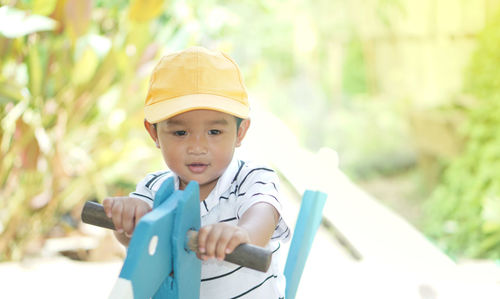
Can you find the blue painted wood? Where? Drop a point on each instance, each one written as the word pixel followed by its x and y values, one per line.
pixel 167 270
pixel 170 270
pixel 144 270
pixel 166 189
pixel 187 267
pixel 306 226
pixel 185 282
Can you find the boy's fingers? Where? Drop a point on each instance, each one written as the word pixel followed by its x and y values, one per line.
pixel 212 240
pixel 202 238
pixel 108 205
pixel 128 219
pixel 141 211
pixel 237 239
pixel 225 237
pixel 198 255
pixel 117 215
pixel 219 240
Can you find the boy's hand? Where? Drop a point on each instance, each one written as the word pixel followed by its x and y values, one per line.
pixel 125 212
pixel 217 240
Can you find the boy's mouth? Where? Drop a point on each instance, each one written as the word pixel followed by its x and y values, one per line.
pixel 197 167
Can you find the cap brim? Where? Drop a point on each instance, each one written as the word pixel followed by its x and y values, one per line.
pixel 166 109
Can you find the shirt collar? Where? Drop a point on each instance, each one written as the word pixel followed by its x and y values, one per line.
pixel 223 184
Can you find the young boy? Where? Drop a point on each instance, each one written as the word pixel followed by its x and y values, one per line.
pixel 197 114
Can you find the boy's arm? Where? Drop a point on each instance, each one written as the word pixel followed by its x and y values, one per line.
pixel 256 226
pixel 260 221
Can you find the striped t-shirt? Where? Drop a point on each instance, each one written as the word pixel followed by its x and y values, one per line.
pixel 242 185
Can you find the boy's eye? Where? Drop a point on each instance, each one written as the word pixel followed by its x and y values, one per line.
pixel 180 133
pixel 214 132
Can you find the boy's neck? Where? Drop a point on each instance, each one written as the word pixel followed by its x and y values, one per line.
pixel 205 189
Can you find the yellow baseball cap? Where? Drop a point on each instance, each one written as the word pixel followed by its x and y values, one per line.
pixel 195 78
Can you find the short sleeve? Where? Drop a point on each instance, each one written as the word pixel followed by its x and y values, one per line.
pixel 145 188
pixel 263 186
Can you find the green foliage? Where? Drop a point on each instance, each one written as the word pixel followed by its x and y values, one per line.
pixel 463 214
pixel 354 69
pixel 71 112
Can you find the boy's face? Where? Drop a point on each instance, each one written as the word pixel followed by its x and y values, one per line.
pixel 198 145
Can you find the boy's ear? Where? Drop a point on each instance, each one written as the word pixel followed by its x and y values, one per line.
pixel 151 128
pixel 242 131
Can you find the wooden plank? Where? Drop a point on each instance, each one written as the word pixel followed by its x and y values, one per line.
pixel 186 266
pixel 150 249
pixel 308 222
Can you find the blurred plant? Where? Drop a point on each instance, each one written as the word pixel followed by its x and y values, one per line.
pixel 73 76
pixel 72 80
pixel 463 213
pixel 354 79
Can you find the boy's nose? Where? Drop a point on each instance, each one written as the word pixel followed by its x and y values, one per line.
pixel 197 146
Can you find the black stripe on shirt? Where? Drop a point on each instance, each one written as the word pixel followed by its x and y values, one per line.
pixel 229 219
pixel 256 194
pixel 234 192
pixel 287 231
pixel 255 287
pixel 255 169
pixel 265 183
pixel 158 178
pixel 262 183
pixel 265 194
pixel 222 275
pixel 205 204
pixel 155 178
pixel 142 195
pixel 151 180
pixel 238 172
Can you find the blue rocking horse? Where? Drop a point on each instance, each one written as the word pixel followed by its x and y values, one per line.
pixel 161 261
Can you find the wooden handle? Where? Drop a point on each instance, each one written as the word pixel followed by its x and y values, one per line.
pixel 246 255
pixel 93 213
